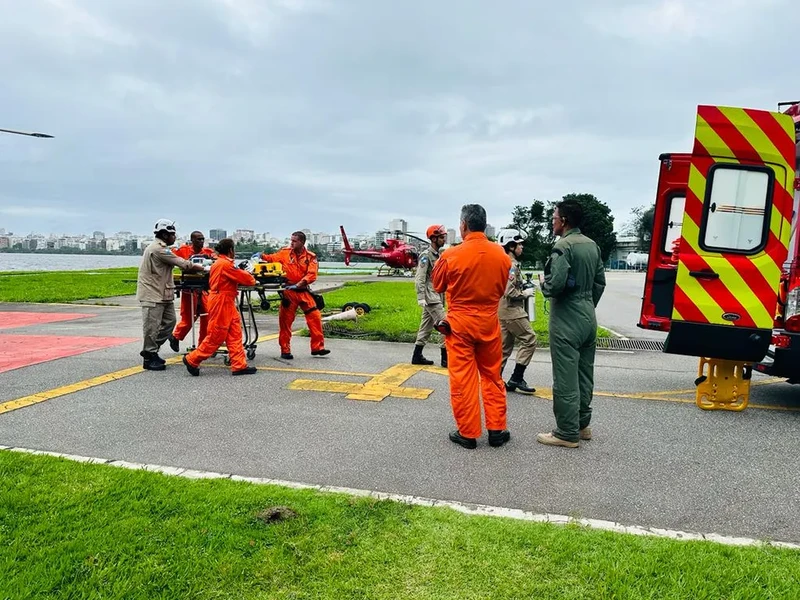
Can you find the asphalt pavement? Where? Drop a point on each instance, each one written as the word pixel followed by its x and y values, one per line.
pixel 656 459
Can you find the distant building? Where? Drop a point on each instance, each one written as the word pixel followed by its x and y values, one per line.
pixel 626 244
pixel 243 235
pixel 98 235
pixel 398 225
pixel 490 231
pixel 217 234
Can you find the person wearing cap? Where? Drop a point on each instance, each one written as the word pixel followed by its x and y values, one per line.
pixel 155 291
pixel 224 322
pixel 515 324
pixel 430 300
pixel 193 302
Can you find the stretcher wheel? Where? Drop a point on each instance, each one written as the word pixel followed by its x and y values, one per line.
pixel 362 308
pixel 227 360
pixel 251 353
pixel 264 305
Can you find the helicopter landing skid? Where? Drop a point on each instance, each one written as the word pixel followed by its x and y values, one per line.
pixel 386 271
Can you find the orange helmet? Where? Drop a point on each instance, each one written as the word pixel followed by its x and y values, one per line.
pixel 435 230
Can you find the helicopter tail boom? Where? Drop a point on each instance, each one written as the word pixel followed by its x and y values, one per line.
pixel 348 250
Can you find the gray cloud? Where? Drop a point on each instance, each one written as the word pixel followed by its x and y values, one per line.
pixel 274 115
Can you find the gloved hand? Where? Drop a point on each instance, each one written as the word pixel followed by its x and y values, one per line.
pixel 528 292
pixel 291 287
pixel 421 303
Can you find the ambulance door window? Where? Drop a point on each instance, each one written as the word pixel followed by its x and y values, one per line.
pixel 736 209
pixel 674 222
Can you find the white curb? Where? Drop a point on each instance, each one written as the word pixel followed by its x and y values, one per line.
pixel 469 509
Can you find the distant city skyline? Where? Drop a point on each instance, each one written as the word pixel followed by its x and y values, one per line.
pixel 124 240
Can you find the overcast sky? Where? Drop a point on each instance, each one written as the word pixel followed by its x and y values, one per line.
pixel 278 115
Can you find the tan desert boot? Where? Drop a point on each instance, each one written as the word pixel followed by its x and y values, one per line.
pixel 550 440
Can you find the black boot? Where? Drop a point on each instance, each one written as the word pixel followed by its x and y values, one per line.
pixel 152 361
pixel 173 343
pixel 464 442
pixel 497 438
pixel 194 371
pixel 517 383
pixel 418 359
pixel 444 357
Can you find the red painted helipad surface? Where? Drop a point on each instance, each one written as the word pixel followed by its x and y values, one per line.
pixel 18 351
pixel 9 320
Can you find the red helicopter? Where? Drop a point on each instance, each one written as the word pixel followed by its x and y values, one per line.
pixel 398 256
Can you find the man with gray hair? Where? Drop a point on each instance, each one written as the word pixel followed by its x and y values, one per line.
pixel 155 291
pixel 474 275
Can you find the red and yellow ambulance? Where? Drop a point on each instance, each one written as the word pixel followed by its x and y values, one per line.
pixel 723 276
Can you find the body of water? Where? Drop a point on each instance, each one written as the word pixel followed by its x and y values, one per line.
pixel 85 262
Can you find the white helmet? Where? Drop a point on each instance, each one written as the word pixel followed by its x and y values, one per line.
pixel 164 225
pixel 506 236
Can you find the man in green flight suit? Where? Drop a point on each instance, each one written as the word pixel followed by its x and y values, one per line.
pixel 574 280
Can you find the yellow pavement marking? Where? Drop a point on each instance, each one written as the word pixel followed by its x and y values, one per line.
pixel 299 370
pixel 547 394
pixel 769 381
pixel 68 389
pixel 379 387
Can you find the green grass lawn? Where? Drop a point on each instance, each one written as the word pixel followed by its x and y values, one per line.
pixel 72 530
pixel 395 315
pixel 65 286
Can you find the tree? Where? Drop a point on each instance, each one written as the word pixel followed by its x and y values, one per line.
pixel 532 221
pixel 598 222
pixel 642 226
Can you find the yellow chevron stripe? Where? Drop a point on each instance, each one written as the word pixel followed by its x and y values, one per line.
pixel 714 144
pixel 784 172
pixel 779 226
pixel 753 133
pixel 729 276
pixel 735 283
pixel 700 297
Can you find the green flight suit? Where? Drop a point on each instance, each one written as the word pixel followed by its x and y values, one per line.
pixel 574 280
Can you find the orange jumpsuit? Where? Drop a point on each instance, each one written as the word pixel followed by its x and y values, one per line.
pixel 224 324
pixel 197 298
pixel 474 275
pixel 298 267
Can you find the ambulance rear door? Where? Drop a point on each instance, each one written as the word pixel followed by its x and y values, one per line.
pixel 735 234
pixel 659 286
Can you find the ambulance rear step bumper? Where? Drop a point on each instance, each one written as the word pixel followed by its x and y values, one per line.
pixel 782 361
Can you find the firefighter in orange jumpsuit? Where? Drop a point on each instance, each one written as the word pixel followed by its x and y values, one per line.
pixel 301 267
pixel 474 275
pixel 224 324
pixel 193 302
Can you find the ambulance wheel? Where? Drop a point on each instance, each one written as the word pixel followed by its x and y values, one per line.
pixel 227 360
pixel 264 305
pixel 251 353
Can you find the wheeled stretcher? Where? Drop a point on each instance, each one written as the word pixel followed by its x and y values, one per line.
pixel 268 279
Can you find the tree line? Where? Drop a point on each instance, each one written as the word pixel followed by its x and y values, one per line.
pixel 535 221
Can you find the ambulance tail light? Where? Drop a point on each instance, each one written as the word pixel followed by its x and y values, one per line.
pixel 791 319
